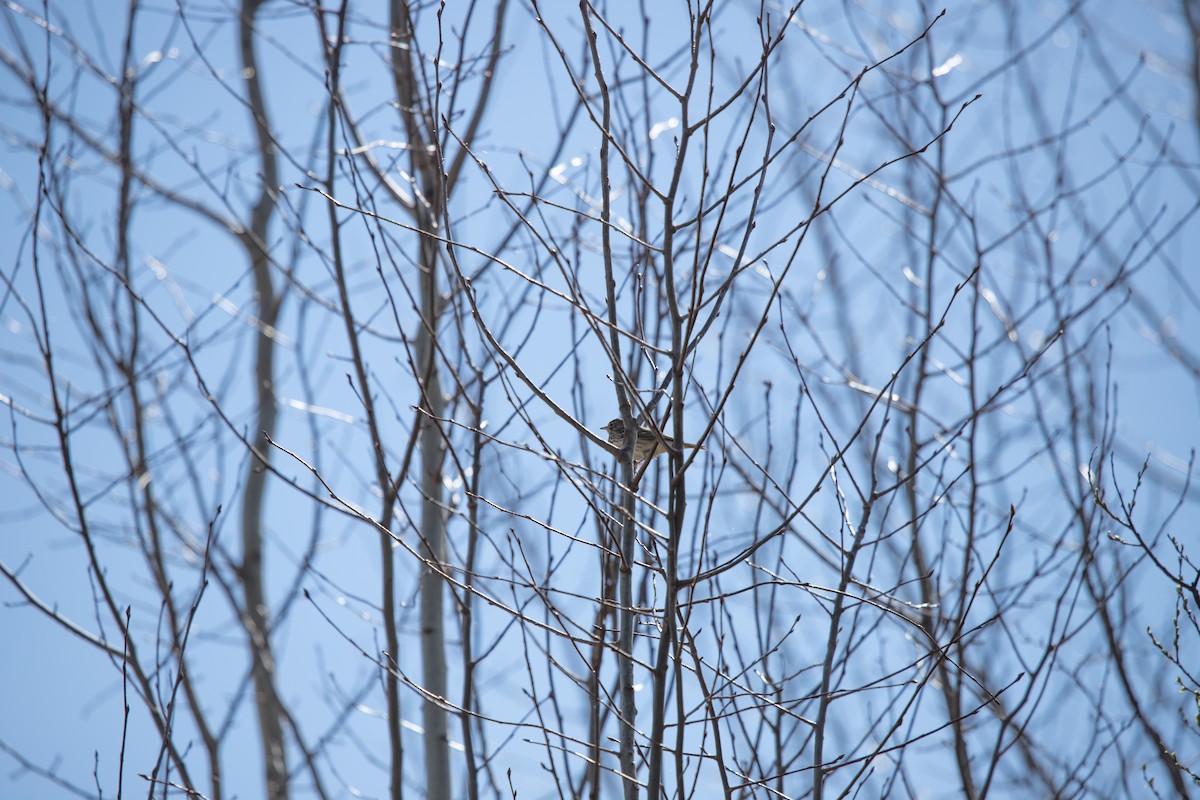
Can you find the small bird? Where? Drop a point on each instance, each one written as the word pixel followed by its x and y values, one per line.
pixel 648 445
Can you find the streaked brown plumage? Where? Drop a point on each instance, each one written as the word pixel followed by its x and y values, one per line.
pixel 648 445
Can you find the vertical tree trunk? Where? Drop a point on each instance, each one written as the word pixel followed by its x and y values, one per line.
pixel 420 126
pixel 255 613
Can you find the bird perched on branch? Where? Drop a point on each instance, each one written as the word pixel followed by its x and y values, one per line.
pixel 648 444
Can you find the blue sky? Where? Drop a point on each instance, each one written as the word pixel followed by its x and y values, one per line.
pixel 865 260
